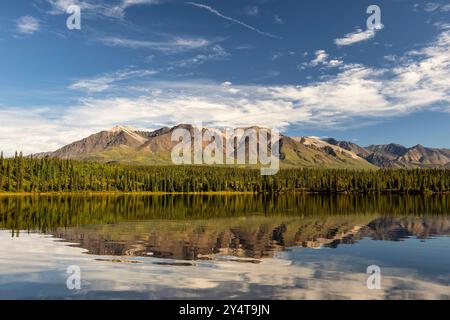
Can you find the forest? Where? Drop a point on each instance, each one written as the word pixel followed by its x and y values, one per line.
pixel 49 175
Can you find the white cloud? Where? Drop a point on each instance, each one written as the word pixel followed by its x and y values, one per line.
pixel 106 81
pixel 170 46
pixel 351 93
pixel 358 36
pixel 391 57
pixel 417 82
pixel 442 25
pixel 335 63
pixel 27 25
pixel 431 6
pixel 321 59
pixel 60 6
pixel 29 131
pixel 217 13
pixel 445 8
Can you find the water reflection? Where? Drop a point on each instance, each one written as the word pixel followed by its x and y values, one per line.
pixel 225 246
pixel 44 213
pixel 245 237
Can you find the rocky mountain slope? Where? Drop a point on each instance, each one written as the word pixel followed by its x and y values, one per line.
pixel 123 144
pixel 397 156
pixel 127 145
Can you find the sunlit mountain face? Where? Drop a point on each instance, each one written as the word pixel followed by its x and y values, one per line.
pixel 122 144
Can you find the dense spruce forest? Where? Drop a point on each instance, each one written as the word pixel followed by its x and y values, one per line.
pixel 25 174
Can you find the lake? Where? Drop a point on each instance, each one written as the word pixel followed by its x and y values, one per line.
pixel 224 246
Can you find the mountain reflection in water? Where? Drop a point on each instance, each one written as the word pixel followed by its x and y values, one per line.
pixel 249 237
pixel 200 227
pixel 225 247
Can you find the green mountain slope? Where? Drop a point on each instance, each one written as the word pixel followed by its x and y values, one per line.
pixel 130 146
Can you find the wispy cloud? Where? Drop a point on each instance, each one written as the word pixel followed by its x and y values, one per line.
pixel 125 4
pixel 110 9
pixel 442 25
pixel 106 81
pixel 277 55
pixel 129 3
pixel 217 13
pixel 431 6
pixel 215 53
pixel 358 36
pixel 245 47
pixel 27 25
pixel 174 45
pixel 89 8
pixel 252 11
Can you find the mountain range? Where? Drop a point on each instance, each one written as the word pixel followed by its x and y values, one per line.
pixel 126 145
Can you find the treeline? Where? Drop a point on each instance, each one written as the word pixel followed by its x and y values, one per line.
pixel 25 174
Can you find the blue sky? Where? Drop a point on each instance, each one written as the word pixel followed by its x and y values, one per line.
pixel 306 67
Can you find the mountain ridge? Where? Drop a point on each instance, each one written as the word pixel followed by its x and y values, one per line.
pixel 394 155
pixel 122 144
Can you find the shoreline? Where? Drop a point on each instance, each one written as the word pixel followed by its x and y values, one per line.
pixel 214 193
pixel 112 193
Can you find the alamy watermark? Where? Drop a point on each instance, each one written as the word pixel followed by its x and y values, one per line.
pixel 73 22
pixel 374 280
pixel 73 281
pixel 374 20
pixel 250 146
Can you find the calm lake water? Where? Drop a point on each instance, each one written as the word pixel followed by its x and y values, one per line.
pixel 225 247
